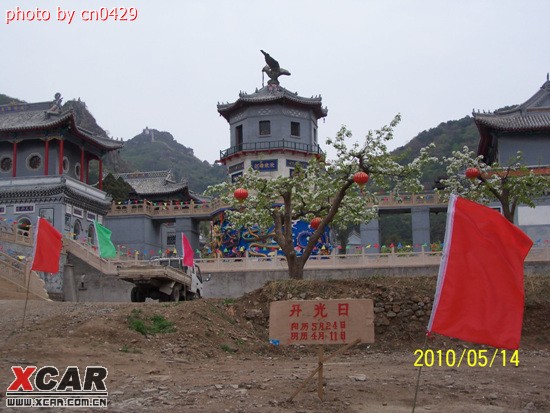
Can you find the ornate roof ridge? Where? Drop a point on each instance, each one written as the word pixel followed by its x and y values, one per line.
pixel 273 93
pixel 530 105
pixel 25 106
pixel 44 115
pixel 44 191
pixel 144 174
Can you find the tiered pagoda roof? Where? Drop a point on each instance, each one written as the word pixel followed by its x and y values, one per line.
pixel 16 118
pixel 152 183
pixel 273 94
pixel 531 116
pixel 54 189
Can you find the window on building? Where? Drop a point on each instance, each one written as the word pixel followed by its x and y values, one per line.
pixel 239 136
pixel 91 234
pixel 315 136
pixel 24 226
pixel 265 127
pixel 34 161
pixel 6 164
pixel 65 164
pixel 294 128
pixel 77 229
pixel 171 239
pixel 77 170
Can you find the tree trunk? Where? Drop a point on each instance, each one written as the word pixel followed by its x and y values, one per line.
pixel 295 267
pixel 507 213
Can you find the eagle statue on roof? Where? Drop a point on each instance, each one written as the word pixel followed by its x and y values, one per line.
pixel 273 70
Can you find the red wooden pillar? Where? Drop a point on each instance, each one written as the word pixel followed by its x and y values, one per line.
pixel 46 156
pixel 88 169
pixel 14 163
pixel 81 164
pixel 100 173
pixel 61 156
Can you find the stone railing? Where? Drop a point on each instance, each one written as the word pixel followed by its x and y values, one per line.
pixel 409 200
pixel 20 277
pixel 364 260
pixel 13 234
pixel 87 254
pixel 271 145
pixel 168 209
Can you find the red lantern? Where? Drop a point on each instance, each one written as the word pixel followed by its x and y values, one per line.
pixel 360 178
pixel 240 194
pixel 315 222
pixel 472 173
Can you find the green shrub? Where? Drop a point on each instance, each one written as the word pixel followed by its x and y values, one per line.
pixel 156 324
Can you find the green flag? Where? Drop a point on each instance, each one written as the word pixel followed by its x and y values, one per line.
pixel 104 243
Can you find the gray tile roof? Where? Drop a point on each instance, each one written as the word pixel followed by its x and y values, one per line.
pixel 152 183
pixel 269 94
pixel 533 114
pixel 20 117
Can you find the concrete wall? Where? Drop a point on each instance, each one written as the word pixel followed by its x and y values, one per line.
pixel 534 148
pixel 98 287
pixel 91 285
pixel 135 232
pixel 232 285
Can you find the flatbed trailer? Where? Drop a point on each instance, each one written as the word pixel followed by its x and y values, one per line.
pixel 163 279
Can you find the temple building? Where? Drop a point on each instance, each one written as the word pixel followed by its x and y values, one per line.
pixel 524 128
pixel 157 206
pixel 45 168
pixel 51 167
pixel 158 186
pixel 271 130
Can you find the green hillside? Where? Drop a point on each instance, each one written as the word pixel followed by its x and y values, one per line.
pixel 4 100
pixel 153 150
pixel 447 137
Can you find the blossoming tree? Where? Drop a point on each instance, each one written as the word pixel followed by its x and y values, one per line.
pixel 510 185
pixel 324 192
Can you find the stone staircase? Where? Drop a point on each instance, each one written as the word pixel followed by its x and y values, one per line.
pixel 14 281
pixel 91 257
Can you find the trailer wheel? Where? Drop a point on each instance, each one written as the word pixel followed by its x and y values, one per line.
pixel 137 295
pixel 176 293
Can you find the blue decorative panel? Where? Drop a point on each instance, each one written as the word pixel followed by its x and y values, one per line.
pixel 266 165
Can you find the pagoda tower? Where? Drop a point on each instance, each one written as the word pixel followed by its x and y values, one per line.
pixel 271 130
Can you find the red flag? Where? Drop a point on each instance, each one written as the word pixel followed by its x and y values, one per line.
pixel 187 251
pixel 479 295
pixel 47 247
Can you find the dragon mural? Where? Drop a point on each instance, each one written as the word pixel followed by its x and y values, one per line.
pixel 230 242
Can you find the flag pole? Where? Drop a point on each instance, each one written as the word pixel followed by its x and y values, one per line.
pixel 28 275
pixel 419 371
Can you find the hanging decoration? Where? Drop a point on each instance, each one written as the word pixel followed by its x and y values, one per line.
pixel 360 178
pixel 240 194
pixel 315 222
pixel 472 173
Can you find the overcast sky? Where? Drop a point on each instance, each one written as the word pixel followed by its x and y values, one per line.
pixel 431 61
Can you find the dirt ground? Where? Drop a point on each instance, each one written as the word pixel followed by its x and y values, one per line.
pixel 218 358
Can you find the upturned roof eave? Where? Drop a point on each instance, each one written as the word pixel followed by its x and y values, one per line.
pixel 261 98
pixel 69 119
